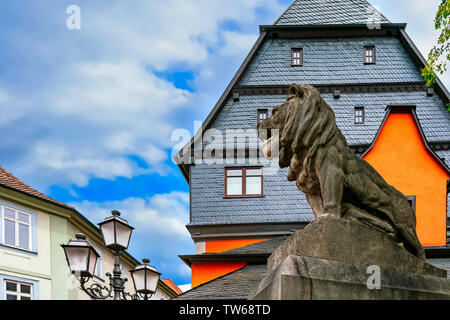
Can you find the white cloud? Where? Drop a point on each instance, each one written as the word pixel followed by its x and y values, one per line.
pixel 160 232
pixel 159 215
pixel 99 102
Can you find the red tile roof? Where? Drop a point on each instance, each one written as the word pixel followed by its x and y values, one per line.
pixel 10 181
pixel 172 286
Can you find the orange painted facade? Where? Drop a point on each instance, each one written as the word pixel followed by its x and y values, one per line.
pixel 400 155
pixel 224 245
pixel 204 272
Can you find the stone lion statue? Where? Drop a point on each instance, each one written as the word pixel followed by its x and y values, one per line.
pixel 336 181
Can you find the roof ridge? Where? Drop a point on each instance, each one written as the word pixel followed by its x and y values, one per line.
pixel 278 19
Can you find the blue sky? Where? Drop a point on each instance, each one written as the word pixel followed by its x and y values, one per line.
pixel 86 115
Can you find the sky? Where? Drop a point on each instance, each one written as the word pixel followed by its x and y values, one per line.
pixel 87 115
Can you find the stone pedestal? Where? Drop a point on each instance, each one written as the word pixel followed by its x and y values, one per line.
pixel 329 259
pixel 304 278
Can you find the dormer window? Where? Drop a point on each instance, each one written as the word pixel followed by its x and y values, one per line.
pixel 296 57
pixel 262 114
pixel 369 55
pixel 359 115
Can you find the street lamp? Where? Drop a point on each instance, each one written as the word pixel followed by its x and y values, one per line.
pixel 145 278
pixel 82 258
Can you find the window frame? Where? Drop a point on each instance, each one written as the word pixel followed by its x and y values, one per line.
pixel 17 222
pixel 101 252
pixel 300 58
pixel 366 50
pixel 244 182
pixel 18 294
pixel 363 115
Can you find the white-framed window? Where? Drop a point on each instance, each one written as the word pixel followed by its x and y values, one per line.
pixel 15 290
pixel 369 55
pixel 296 56
pixel 359 115
pixel 17 227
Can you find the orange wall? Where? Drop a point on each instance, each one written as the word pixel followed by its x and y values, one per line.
pixel 399 155
pixel 224 245
pixel 204 272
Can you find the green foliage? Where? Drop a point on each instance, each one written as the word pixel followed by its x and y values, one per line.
pixel 440 53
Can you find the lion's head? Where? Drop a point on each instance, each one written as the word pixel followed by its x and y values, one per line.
pixel 304 122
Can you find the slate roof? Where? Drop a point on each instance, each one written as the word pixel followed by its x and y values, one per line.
pixel 8 180
pixel 331 61
pixel 330 12
pixel 266 64
pixel 233 286
pixel 431 113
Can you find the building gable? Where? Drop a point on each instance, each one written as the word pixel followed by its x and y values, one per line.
pixel 401 155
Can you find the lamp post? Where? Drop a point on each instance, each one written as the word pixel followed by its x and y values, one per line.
pixel 82 258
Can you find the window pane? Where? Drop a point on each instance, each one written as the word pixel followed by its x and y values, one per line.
pixel 234 173
pixel 10 233
pixel 11 297
pixel 25 298
pixel 24 236
pixel 9 213
pixel 234 186
pixel 25 288
pixel 11 286
pixel 254 172
pixel 253 185
pixel 23 217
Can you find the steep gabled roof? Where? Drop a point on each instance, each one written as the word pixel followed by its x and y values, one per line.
pixel 330 12
pixel 292 18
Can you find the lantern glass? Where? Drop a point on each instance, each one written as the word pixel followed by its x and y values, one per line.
pixel 123 235
pixel 81 256
pixel 78 258
pixel 145 278
pixel 108 233
pixel 116 232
